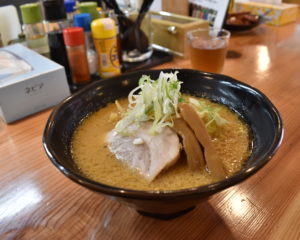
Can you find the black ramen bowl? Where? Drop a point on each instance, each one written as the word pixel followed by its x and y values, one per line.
pixel 253 106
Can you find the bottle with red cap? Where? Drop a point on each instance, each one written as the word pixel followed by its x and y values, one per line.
pixel 75 45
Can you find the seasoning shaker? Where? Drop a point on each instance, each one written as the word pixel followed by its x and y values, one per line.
pixel 70 10
pixel 105 41
pixel 33 28
pixel 75 45
pixel 89 7
pixel 84 20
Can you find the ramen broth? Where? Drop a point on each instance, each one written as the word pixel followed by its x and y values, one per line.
pixel 92 156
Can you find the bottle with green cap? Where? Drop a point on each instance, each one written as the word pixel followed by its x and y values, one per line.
pixel 33 28
pixel 89 7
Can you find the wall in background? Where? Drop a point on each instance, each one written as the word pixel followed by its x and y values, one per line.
pixel 16 3
pixel 156 6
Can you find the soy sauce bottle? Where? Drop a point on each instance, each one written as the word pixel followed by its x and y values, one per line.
pixel 56 21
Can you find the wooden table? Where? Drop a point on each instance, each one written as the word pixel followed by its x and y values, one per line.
pixel 38 202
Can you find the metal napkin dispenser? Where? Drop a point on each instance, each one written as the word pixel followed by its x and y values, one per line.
pixel 169 31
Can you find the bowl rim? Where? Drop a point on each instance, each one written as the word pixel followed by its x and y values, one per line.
pixel 243 174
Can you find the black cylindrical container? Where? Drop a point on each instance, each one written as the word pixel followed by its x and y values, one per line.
pixel 56 21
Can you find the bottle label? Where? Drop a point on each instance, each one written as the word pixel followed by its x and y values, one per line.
pixel 108 56
pixel 114 56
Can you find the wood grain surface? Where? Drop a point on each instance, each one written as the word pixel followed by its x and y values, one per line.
pixel 38 202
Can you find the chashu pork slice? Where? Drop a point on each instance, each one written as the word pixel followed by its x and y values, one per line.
pixel 146 153
pixel 192 118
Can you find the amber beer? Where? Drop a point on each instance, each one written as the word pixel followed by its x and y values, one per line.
pixel 208 48
pixel 207 58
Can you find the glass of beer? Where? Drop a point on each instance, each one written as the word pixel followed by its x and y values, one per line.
pixel 208 48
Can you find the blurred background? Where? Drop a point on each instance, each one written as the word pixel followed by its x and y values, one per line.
pixel 156 6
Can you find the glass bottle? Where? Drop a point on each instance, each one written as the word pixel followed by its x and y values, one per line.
pixel 89 7
pixel 84 20
pixel 70 10
pixel 105 40
pixel 33 28
pixel 75 45
pixel 55 21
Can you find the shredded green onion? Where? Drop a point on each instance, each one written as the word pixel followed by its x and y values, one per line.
pixel 210 115
pixel 154 100
pixel 119 107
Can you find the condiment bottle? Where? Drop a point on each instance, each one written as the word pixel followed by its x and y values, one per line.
pixel 75 45
pixel 105 40
pixel 84 20
pixel 33 28
pixel 70 10
pixel 89 7
pixel 55 16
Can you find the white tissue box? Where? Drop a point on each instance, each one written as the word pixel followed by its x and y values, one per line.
pixel 40 85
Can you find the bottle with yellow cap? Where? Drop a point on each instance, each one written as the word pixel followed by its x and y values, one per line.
pixel 105 41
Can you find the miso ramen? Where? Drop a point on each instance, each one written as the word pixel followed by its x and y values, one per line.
pixel 92 156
